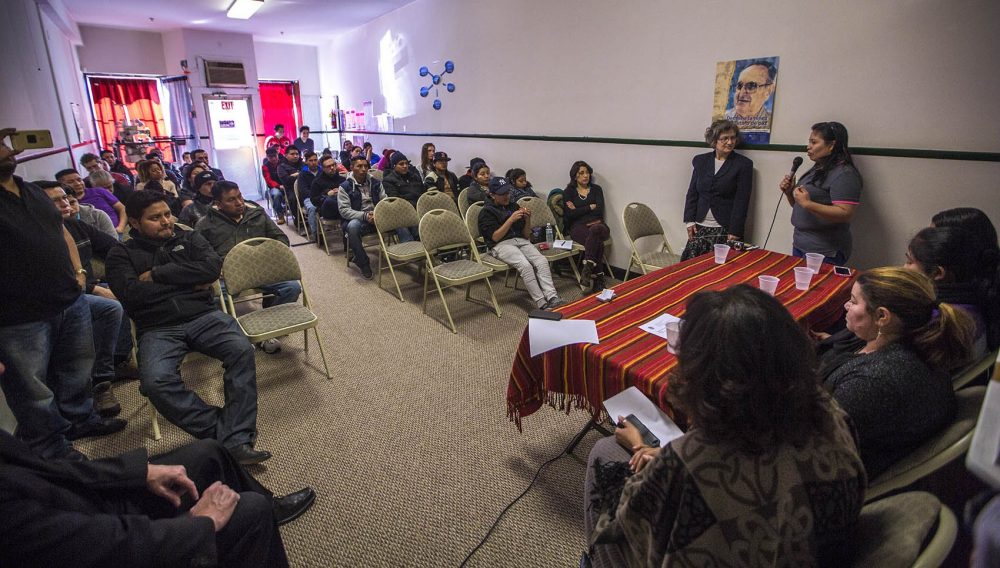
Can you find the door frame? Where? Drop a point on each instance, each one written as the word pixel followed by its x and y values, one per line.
pixel 253 127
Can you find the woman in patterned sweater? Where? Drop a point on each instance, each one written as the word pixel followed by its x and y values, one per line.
pixel 768 472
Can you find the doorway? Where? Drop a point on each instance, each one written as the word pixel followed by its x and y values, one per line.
pixel 233 137
pixel 281 104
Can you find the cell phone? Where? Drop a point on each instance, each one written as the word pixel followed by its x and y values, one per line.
pixel 31 139
pixel 842 271
pixel 545 315
pixel 647 437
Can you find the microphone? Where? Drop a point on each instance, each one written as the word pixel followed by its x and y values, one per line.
pixel 795 165
pixel 796 162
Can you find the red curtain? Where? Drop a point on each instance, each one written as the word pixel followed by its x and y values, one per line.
pixel 139 97
pixel 280 104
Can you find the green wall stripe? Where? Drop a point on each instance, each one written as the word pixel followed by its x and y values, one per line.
pixel 858 151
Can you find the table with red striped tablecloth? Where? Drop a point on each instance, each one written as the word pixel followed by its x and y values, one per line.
pixel 584 375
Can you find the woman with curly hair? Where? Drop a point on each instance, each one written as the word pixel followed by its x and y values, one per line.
pixel 766 447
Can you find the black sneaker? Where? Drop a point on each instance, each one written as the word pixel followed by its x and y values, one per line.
pixel 588 271
pixel 94 429
pixel 291 506
pixel 366 271
pixel 71 454
pixel 105 401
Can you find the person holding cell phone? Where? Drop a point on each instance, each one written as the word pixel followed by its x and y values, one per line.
pixel 825 199
pixel 764 439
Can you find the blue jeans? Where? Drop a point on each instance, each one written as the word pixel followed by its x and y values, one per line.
pixel 106 319
pixel 161 351
pixel 837 260
pixel 355 229
pixel 47 382
pixel 278 201
pixel 284 293
pixel 311 216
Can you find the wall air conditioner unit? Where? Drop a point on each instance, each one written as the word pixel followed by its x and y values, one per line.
pixel 225 74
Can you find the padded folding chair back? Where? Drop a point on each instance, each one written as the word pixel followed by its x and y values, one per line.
pixel 640 221
pixel 472 220
pixel 912 529
pixel 969 374
pixel 376 173
pixel 541 215
pixel 182 226
pixel 393 213
pixel 443 228
pixel 555 202
pixel 435 199
pixel 937 452
pixel 258 262
pixel 463 202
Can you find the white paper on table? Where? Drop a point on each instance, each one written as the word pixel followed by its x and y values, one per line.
pixel 546 335
pixel 632 401
pixel 658 326
pixel 606 295
pixel 984 453
pixel 564 245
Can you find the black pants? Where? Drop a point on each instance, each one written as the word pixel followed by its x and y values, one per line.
pixel 250 538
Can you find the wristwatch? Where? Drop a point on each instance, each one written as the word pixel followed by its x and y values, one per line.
pixel 81 271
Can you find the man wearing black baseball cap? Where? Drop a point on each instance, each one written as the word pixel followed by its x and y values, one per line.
pixel 441 178
pixel 506 230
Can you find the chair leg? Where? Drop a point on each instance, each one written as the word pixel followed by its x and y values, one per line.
pixel 392 273
pixel 305 338
pixel 576 274
pixel 496 306
pixel 322 354
pixel 154 420
pixel 445 302
pixel 628 271
pixel 427 270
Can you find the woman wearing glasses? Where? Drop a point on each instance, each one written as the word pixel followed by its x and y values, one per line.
pixel 824 200
pixel 715 209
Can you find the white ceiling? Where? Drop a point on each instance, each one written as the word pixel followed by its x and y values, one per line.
pixel 310 22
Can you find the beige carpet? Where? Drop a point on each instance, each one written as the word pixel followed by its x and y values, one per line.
pixel 409 446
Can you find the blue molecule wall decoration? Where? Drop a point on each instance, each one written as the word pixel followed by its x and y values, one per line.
pixel 437 81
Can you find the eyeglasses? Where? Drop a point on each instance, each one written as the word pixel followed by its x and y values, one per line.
pixel 750 86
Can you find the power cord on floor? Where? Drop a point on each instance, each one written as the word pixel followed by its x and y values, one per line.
pixel 514 502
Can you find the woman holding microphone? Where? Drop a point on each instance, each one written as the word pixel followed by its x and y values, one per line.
pixel 824 200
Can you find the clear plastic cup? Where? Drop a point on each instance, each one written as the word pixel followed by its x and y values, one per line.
pixel 814 260
pixel 803 276
pixel 673 336
pixel 768 284
pixel 721 252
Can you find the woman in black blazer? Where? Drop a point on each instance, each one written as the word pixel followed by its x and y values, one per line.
pixel 583 221
pixel 715 209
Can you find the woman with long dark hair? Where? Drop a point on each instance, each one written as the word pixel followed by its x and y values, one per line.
pixel 766 447
pixel 583 220
pixel 427 159
pixel 826 197
pixel 965 274
pixel 718 197
pixel 520 186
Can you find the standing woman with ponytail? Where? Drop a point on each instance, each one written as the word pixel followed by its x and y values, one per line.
pixel 824 200
pixel 896 386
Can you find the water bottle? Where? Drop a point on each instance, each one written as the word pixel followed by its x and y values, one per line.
pixel 550 235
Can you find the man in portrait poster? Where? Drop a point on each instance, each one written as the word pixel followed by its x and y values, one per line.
pixel 745 90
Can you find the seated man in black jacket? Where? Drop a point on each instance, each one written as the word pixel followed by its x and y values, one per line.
pixel 164 279
pixel 324 188
pixel 403 181
pixel 202 509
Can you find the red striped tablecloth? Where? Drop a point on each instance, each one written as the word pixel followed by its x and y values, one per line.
pixel 584 375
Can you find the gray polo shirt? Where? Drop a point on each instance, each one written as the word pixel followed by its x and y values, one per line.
pixel 812 234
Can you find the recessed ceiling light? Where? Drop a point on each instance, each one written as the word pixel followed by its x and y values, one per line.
pixel 244 9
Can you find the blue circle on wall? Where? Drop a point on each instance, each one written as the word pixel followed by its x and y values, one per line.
pixel 437 104
pixel 424 71
pixel 449 66
pixel 451 87
pixel 424 91
pixel 436 79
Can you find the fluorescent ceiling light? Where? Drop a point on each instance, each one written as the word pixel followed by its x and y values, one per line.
pixel 244 9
